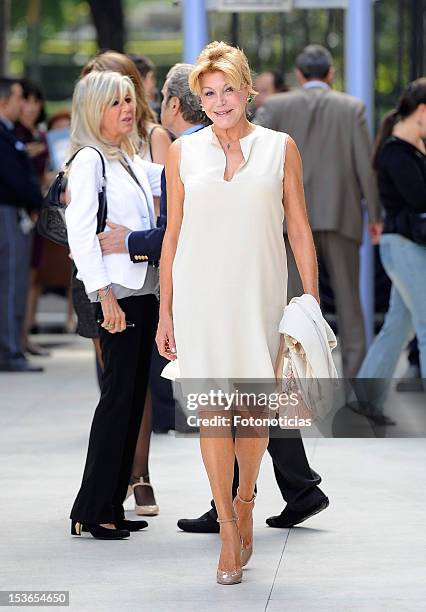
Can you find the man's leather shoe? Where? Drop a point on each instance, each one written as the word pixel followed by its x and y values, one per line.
pixel 288 518
pixel 19 365
pixel 206 523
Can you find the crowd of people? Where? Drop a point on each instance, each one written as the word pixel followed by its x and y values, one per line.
pixel 202 187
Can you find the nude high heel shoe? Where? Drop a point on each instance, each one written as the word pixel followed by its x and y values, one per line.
pixel 144 510
pixel 246 552
pixel 228 576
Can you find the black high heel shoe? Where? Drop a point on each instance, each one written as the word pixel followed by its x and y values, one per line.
pixel 98 532
pixel 126 525
pixel 131 525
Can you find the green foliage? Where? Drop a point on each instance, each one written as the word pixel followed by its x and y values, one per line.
pixel 55 14
pixel 269 40
pixel 273 40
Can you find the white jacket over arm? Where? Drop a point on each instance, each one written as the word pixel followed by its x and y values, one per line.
pixel 127 205
pixel 308 342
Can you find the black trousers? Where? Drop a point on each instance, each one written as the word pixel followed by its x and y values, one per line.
pixel 163 403
pixel 116 423
pixel 297 481
pixel 15 248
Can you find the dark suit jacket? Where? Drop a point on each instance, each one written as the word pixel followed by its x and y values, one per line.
pixel 145 245
pixel 18 182
pixel 330 130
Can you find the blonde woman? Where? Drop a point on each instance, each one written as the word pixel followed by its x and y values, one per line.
pixel 223 269
pixel 103 116
pixel 155 141
pixel 153 146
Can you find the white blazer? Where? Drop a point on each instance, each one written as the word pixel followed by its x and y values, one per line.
pixel 126 205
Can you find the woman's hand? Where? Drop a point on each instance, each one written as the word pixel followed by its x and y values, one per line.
pixel 114 318
pixel 165 338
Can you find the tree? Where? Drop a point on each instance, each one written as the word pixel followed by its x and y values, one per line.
pixel 4 28
pixel 52 12
pixel 108 18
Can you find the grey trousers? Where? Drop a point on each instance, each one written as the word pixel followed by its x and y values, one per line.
pixel 14 273
pixel 340 256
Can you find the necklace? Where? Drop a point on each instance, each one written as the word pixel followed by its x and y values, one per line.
pixel 228 144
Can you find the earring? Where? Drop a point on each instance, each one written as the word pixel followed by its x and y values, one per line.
pixel 249 99
pixel 202 108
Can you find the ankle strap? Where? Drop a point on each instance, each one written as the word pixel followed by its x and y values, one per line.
pixel 229 520
pixel 141 483
pixel 245 501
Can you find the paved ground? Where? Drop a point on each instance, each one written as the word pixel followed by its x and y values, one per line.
pixel 365 553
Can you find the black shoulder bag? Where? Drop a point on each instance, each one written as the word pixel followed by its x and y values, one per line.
pixel 51 221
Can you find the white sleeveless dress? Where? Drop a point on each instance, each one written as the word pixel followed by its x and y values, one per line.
pixel 230 267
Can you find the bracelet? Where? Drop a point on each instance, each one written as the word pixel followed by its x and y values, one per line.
pixel 107 290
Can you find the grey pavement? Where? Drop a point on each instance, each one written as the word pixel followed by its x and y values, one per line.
pixel 366 552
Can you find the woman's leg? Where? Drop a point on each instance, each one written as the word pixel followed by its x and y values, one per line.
pixel 383 355
pixel 71 323
pixel 140 460
pixel 98 352
pixel 382 358
pixel 217 450
pixel 99 360
pixel 251 443
pixel 408 276
pixel 144 495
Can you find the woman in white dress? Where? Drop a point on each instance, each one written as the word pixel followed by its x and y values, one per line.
pixel 223 272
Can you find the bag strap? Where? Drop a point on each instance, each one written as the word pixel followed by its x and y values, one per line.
pixel 102 204
pixel 95 149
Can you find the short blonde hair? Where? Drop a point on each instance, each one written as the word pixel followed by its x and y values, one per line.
pixel 92 95
pixel 219 56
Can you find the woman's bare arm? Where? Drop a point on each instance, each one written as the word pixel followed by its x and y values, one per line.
pixel 175 196
pixel 298 229
pixel 160 143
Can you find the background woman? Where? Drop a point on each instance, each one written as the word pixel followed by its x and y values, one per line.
pixel 223 269
pixel 146 69
pixel 400 163
pixel 103 116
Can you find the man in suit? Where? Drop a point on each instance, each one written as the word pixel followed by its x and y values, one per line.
pixel 181 114
pixel 330 130
pixel 20 196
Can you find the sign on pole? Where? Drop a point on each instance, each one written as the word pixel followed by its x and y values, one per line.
pixel 250 6
pixel 321 4
pixel 273 6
